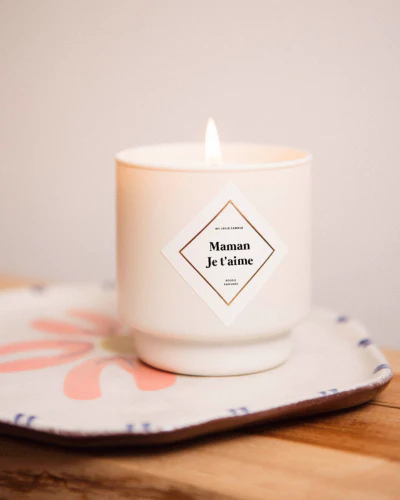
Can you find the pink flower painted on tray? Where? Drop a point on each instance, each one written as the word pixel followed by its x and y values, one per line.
pixel 98 345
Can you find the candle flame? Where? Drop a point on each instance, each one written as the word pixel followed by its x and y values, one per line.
pixel 213 147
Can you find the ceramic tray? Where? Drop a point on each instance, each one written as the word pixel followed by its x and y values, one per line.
pixel 69 375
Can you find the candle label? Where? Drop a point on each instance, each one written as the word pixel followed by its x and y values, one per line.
pixel 226 253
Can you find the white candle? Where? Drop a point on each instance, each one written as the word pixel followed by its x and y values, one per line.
pixel 213 258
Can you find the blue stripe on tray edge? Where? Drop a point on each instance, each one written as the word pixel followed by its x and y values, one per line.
pixel 365 342
pixel 383 366
pixel 28 422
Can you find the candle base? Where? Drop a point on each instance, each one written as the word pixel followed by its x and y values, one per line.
pixel 209 359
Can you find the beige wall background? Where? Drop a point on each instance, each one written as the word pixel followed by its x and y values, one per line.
pixel 81 80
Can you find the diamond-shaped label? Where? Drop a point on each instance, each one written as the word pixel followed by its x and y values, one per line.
pixel 227 253
pixel 228 240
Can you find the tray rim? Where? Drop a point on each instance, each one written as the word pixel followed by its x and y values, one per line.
pixel 312 406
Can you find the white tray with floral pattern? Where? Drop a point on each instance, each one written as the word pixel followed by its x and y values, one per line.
pixel 69 375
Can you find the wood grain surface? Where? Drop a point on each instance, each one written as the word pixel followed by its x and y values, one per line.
pixel 352 454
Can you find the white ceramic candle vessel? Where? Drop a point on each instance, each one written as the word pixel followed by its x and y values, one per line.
pixel 213 261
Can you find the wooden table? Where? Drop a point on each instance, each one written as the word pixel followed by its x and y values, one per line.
pixel 351 454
